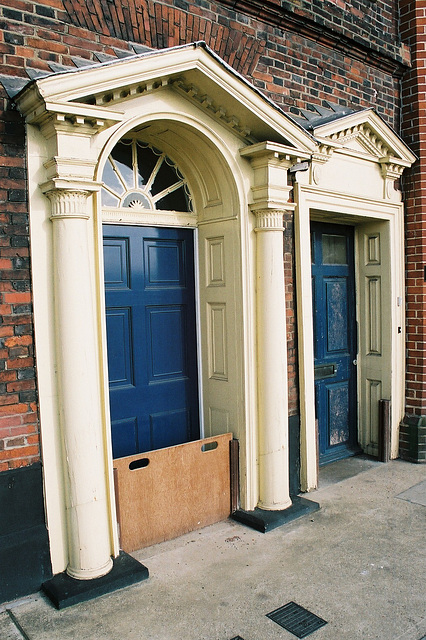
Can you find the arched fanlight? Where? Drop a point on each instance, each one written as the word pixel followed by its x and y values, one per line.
pixel 139 176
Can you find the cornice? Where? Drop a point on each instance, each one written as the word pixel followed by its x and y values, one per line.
pixel 208 103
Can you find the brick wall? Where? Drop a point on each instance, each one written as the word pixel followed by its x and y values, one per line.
pixel 413 30
pixel 18 414
pixel 299 53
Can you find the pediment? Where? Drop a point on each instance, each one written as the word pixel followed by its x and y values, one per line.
pixel 366 134
pixel 101 94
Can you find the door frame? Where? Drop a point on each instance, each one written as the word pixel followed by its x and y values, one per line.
pixel 313 203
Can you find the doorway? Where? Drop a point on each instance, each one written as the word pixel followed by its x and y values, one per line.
pixel 335 340
pixel 151 337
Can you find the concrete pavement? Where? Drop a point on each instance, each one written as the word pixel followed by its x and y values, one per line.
pixel 359 563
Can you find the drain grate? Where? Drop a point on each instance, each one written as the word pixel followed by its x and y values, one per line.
pixel 296 619
pixel 237 638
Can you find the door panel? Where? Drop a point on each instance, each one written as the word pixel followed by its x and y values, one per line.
pixel 151 337
pixel 335 340
pixel 375 335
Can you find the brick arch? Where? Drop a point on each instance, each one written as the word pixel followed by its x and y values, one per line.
pixel 160 26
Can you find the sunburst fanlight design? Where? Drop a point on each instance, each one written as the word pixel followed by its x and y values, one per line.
pixel 139 176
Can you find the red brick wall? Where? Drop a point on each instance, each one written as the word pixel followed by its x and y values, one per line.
pixel 413 31
pixel 18 413
pixel 344 53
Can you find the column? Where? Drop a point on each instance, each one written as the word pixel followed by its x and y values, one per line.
pixel 272 362
pixel 79 388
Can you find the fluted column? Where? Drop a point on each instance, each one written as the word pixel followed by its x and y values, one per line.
pixel 272 362
pixel 79 395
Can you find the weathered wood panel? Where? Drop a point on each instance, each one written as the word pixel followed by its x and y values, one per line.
pixel 165 493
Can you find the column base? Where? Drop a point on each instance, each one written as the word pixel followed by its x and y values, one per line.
pixel 91 575
pixel 265 521
pixel 64 591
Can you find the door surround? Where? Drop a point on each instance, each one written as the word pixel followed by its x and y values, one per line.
pixel 235 148
pixel 333 207
pixel 353 179
pixel 73 122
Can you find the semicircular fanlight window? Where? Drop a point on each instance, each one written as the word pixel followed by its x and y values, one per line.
pixel 139 176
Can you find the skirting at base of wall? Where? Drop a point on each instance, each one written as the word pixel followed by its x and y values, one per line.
pixel 65 591
pixel 412 439
pixel 24 545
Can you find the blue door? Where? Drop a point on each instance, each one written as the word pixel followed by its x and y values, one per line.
pixel 333 293
pixel 151 337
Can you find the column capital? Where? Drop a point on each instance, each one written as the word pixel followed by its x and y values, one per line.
pixel 68 203
pixel 269 219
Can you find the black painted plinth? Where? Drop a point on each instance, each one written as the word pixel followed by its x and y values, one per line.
pixel 264 521
pixel 65 591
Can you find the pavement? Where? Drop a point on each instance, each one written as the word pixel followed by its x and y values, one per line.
pixel 359 564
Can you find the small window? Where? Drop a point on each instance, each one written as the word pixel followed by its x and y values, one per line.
pixel 139 176
pixel 334 249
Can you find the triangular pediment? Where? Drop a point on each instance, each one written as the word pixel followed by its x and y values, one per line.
pixel 103 92
pixel 366 134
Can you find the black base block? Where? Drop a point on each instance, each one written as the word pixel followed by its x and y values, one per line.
pixel 264 521
pixel 65 591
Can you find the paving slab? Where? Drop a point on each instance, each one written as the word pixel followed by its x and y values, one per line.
pixel 416 494
pixel 359 564
pixel 8 630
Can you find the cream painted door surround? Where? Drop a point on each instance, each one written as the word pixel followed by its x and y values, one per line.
pixel 351 181
pixel 234 149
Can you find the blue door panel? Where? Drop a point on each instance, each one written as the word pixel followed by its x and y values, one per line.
pixel 338 400
pixel 120 362
pixel 116 259
pixel 167 342
pixel 151 336
pixel 164 263
pixel 124 436
pixel 170 422
pixel 333 295
pixel 336 300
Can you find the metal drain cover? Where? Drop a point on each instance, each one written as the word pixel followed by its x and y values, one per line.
pixel 296 619
pixel 237 638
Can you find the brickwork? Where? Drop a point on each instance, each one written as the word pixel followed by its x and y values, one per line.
pixel 413 30
pixel 18 413
pixel 299 53
pixel 293 69
pixel 290 302
pixel 366 27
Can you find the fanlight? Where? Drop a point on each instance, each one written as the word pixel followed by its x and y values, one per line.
pixel 139 176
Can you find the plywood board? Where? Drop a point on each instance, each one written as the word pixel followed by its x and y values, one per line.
pixel 165 493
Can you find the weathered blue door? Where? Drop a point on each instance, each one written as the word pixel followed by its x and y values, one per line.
pixel 334 339
pixel 151 337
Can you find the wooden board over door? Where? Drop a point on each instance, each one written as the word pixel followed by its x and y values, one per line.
pixel 165 493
